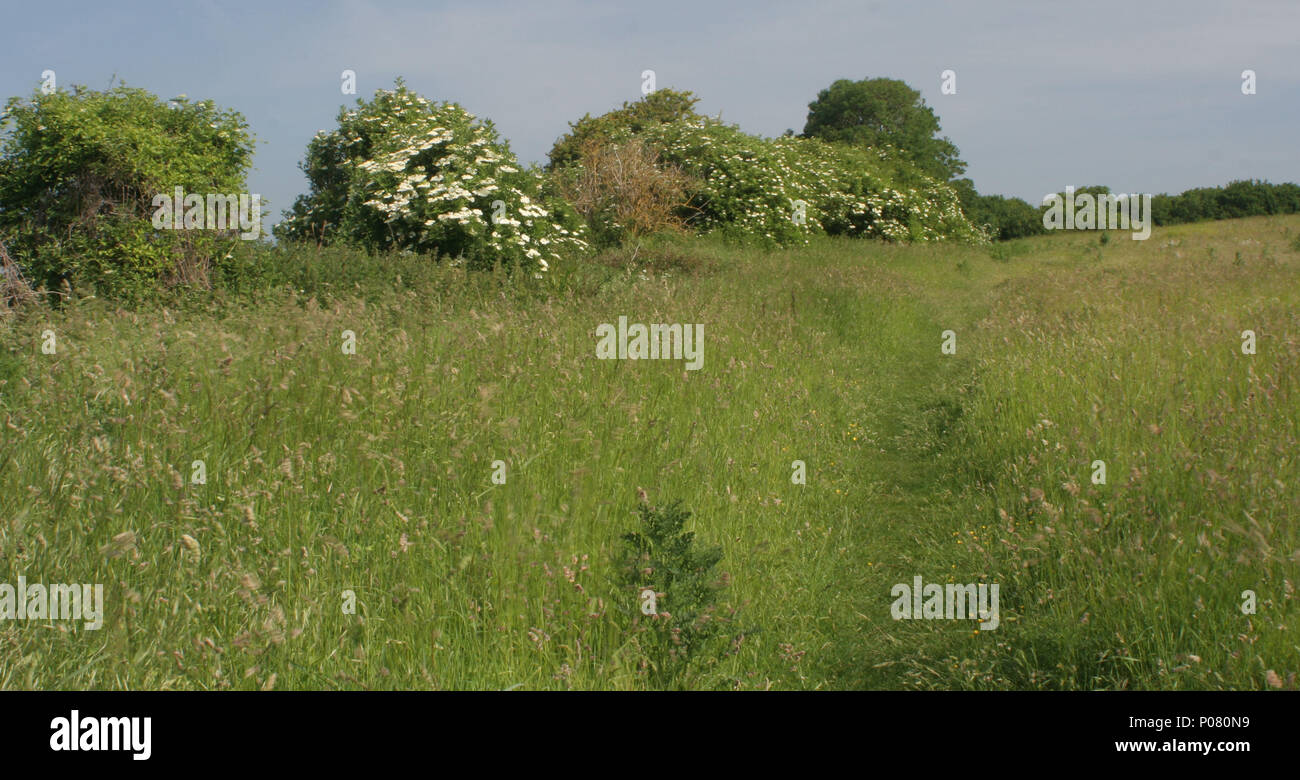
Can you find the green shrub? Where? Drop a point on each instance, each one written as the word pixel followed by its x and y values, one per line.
pixel 79 172
pixel 751 188
pixel 662 105
pixel 771 191
pixel 401 172
pixel 662 557
pixel 1001 218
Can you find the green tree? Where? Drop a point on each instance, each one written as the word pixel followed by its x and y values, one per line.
pixel 883 112
pixel 79 171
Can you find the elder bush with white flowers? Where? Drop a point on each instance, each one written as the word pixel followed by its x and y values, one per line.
pixel 748 187
pixel 402 172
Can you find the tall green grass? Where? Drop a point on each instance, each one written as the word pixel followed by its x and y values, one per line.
pixel 329 472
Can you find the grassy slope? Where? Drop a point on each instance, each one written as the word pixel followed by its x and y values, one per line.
pixel 371 472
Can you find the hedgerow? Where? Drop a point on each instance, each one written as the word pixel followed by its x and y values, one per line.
pixel 785 190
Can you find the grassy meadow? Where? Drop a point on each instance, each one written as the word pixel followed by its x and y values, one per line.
pixel 372 472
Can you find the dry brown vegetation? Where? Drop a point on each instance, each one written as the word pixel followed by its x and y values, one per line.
pixel 624 189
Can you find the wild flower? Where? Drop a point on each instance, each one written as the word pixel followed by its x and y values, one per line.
pixel 401 172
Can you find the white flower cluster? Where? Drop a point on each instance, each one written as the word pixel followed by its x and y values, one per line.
pixel 750 185
pixel 427 177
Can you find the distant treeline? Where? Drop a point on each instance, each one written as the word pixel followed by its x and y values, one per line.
pixel 1009 218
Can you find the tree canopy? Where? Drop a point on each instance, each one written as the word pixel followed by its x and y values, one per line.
pixel 660 106
pixel 880 112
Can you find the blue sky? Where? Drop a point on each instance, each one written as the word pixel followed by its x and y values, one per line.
pixel 1142 99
